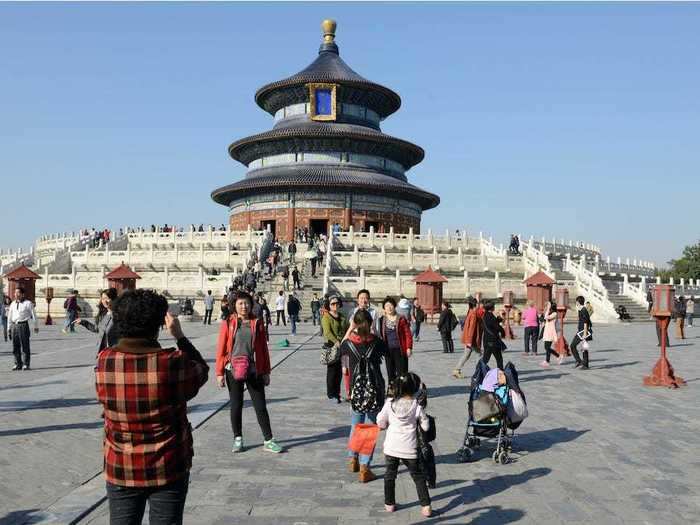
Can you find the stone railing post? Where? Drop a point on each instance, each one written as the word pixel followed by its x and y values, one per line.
pixel 382 257
pixel 166 278
pixel 448 239
pixel 436 259
pixel 410 258
pixel 465 279
pixel 201 253
pixel 363 278
pixel 506 261
pixel 398 280
pixel 228 253
pixel 658 280
pixel 410 237
pixel 355 256
pixel 351 234
pixel 200 273
pixel 497 282
pixel 150 254
pixel 210 233
pixel 371 235
pixel 460 258
pixel 391 236
pixel 74 275
pixel 430 237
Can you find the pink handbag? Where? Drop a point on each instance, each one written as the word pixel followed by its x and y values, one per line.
pixel 240 367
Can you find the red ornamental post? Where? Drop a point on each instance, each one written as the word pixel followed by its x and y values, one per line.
pixel 508 306
pixel 49 297
pixel 562 298
pixel 662 373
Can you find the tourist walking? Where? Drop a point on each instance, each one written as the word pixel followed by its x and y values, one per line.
pixel 400 417
pixel 334 325
pixel 279 308
pixel 316 310
pixel 680 313
pixel 471 335
pixel 364 352
pixel 208 307
pixel 293 309
pixel 532 328
pixel 4 309
pixel 285 278
pixel 650 302
pixel 295 278
pixel 394 330
pixel 418 319
pixel 690 310
pixel 292 251
pixel 72 311
pixel 147 437
pixel 21 311
pixel 584 333
pixel 549 335
pixel 104 323
pixel 493 334
pixel 243 360
pixel 447 322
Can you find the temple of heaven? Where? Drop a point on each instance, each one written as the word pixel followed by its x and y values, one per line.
pixel 326 160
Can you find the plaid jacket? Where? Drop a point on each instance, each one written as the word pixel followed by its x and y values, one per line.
pixel 144 390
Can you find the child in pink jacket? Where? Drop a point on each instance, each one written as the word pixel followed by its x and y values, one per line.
pixel 400 417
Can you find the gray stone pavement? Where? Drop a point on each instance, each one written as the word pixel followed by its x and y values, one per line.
pixel 598 447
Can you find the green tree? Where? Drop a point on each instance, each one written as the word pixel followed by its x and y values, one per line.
pixel 687 267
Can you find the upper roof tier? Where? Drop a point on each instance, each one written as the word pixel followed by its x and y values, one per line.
pixel 330 68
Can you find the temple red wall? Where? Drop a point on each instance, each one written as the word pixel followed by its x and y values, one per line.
pixel 301 218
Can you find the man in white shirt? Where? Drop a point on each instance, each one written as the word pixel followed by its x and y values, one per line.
pixel 279 308
pixel 208 307
pixel 21 312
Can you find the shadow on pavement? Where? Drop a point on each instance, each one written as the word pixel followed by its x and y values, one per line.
pixel 51 428
pixel 450 390
pixel 32 385
pixel 617 365
pixel 23 406
pixel 333 433
pixel 17 517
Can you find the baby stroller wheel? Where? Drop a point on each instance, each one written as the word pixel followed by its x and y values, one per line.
pixel 464 454
pixel 495 456
pixel 503 458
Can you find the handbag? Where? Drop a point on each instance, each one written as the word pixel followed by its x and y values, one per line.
pixel 485 407
pixel 364 438
pixel 240 367
pixel 517 409
pixel 329 354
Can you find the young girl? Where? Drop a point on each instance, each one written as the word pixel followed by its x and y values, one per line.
pixel 550 333
pixel 400 417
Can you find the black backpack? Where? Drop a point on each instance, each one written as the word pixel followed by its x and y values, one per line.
pixel 367 384
pixel 454 322
pixel 420 315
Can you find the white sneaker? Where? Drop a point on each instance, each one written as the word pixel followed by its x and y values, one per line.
pixel 25 367
pixel 237 444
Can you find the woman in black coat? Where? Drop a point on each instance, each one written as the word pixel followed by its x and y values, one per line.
pixel 493 332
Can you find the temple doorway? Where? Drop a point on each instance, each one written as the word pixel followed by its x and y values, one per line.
pixel 318 227
pixel 272 225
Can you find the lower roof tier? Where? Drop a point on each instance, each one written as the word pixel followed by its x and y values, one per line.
pixel 325 177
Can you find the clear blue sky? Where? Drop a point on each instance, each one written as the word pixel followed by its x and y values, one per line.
pixel 570 120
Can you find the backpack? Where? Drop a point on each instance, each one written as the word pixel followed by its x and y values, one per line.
pixel 367 384
pixel 454 322
pixel 420 315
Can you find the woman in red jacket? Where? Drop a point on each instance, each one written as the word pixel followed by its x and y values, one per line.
pixel 243 359
pixel 395 331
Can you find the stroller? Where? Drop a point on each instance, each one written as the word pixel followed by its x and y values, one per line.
pixel 495 427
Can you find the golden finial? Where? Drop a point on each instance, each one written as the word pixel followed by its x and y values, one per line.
pixel 328 27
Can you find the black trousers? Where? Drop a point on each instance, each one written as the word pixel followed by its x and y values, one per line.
pixel 392 469
pixel 313 267
pixel 334 376
pixel 490 350
pixel 281 313
pixel 20 343
pixel 396 364
pixel 448 344
pixel 256 390
pixel 207 316
pixel 167 503
pixel 530 338
pixel 4 328
pixel 548 350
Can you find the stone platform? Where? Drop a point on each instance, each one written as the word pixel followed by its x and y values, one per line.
pixel 597 447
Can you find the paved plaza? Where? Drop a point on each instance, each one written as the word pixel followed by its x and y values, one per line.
pixel 597 447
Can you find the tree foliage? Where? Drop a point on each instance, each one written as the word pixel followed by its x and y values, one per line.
pixel 687 267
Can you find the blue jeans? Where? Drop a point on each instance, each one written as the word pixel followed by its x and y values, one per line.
pixel 293 319
pixel 315 317
pixel 361 417
pixel 689 319
pixel 68 322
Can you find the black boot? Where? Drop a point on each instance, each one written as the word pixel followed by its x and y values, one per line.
pixel 574 352
pixel 585 360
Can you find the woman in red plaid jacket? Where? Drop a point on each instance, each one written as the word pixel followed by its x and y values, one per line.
pixel 243 360
pixel 144 390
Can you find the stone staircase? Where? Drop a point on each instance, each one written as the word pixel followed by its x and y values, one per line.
pixel 558 268
pixel 636 311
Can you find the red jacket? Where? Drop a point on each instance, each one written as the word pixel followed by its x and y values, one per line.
pixel 403 330
pixel 227 334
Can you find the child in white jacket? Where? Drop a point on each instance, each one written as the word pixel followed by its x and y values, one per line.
pixel 400 416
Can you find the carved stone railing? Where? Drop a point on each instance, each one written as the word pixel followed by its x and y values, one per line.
pixel 592 288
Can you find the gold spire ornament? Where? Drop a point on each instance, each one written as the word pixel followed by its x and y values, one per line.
pixel 328 27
